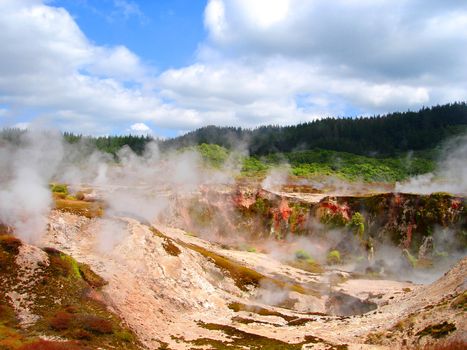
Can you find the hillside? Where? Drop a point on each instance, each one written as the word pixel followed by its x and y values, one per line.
pixel 387 135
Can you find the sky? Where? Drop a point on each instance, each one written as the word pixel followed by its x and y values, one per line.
pixel 165 67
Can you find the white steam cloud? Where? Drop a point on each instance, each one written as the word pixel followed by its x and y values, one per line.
pixel 451 175
pixel 25 171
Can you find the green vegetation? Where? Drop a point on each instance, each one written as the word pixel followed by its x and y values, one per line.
pixel 302 254
pixel 368 149
pixel 357 225
pixel 333 257
pixel 351 167
pixel 59 188
pixel 213 155
pixel 304 261
pixel 65 296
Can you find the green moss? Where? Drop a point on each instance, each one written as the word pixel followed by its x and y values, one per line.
pixel 74 267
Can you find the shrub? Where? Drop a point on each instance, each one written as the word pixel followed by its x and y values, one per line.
pixel 81 334
pixel 357 224
pixel 333 257
pixel 61 321
pixel 96 324
pixel 59 188
pixel 302 254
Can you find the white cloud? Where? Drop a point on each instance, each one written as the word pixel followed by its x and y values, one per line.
pixel 140 128
pixel 62 78
pixel 368 56
pixel 263 62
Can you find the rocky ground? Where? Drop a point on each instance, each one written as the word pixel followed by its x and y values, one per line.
pixel 174 289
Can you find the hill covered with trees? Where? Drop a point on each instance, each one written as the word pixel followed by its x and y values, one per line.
pixel 378 135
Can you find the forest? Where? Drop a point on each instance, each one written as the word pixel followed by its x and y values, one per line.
pixel 381 135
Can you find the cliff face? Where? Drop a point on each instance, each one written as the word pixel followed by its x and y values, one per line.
pixel 423 228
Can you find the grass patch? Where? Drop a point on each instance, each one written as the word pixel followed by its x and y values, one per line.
pixel 308 265
pixel 78 207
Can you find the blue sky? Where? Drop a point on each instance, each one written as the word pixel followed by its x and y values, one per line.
pixel 165 33
pixel 166 67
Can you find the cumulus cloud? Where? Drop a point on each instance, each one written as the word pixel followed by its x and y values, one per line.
pixel 59 76
pixel 140 128
pixel 262 62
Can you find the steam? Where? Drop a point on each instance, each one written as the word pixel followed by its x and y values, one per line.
pixel 451 175
pixel 110 234
pixel 268 293
pixel 276 178
pixel 140 186
pixel 25 171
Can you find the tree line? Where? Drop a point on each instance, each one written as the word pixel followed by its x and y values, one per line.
pixel 382 134
pixel 377 135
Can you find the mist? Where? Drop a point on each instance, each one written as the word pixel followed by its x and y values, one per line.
pixel 451 173
pixel 140 186
pixel 26 169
